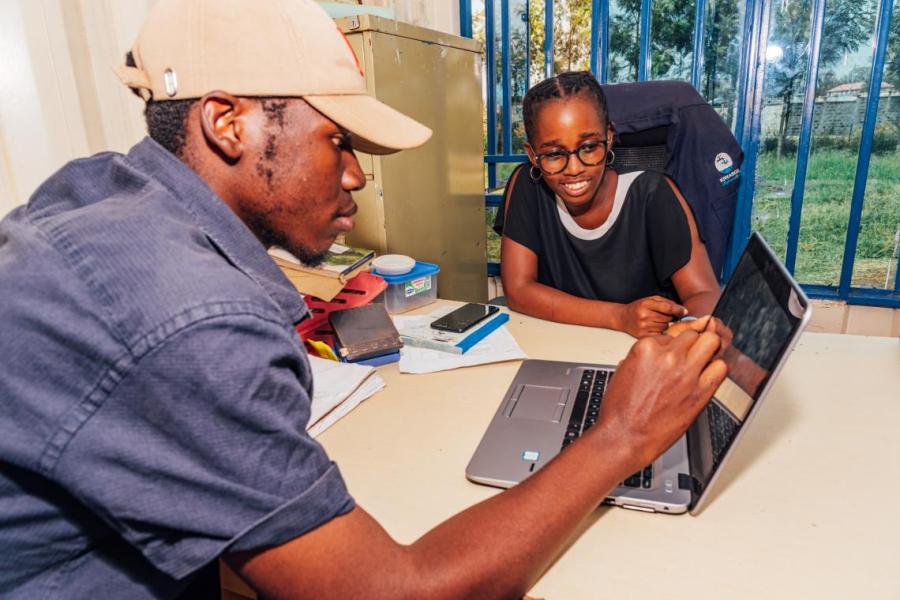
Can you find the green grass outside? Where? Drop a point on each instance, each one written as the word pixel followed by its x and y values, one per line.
pixel 823 222
pixel 826 211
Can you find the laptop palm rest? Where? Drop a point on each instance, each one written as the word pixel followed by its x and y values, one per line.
pixel 538 403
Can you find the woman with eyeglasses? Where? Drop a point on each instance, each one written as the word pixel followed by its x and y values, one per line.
pixel 582 244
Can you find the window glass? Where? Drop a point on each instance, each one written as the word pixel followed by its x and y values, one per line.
pixel 784 85
pixel 571 35
pixel 878 245
pixel 518 66
pixel 497 83
pixel 671 39
pixel 536 42
pixel 720 72
pixel 493 240
pixel 624 40
pixel 504 170
pixel 844 65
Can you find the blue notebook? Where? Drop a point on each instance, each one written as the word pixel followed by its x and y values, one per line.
pixel 382 359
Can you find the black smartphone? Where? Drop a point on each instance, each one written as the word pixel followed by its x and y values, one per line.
pixel 464 317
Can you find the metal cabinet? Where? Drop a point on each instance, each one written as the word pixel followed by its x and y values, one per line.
pixel 427 203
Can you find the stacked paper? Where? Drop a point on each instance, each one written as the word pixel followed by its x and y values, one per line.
pixel 338 388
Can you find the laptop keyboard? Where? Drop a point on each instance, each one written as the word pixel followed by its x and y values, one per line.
pixel 641 479
pixel 586 412
pixel 722 429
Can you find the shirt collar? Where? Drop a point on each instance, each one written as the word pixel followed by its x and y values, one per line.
pixel 219 223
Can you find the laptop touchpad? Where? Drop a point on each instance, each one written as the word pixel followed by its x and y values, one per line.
pixel 540 403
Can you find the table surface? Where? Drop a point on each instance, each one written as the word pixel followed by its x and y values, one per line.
pixel 805 508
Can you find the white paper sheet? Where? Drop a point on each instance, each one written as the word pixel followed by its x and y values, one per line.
pixel 337 389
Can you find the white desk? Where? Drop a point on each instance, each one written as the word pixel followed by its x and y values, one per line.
pixel 807 508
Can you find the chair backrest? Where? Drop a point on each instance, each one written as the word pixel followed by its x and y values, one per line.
pixel 667 126
pixel 642 150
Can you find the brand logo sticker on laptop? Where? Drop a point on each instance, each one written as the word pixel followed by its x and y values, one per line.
pixel 531 455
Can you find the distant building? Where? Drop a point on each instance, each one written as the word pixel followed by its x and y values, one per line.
pixel 839 112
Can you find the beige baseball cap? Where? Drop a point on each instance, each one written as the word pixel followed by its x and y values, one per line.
pixel 290 48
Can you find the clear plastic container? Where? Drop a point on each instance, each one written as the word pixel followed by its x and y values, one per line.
pixel 410 290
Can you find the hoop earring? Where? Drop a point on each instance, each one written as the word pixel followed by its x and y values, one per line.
pixel 610 158
pixel 535 178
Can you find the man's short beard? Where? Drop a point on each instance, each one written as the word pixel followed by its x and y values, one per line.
pixel 261 227
pixel 308 258
pixel 259 222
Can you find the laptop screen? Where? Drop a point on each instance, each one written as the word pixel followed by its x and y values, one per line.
pixel 758 314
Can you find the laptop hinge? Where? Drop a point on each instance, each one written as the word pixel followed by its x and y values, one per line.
pixel 686 482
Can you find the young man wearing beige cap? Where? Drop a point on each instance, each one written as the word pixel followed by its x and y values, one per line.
pixel 154 391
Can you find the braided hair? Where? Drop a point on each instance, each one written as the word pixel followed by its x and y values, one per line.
pixel 564 85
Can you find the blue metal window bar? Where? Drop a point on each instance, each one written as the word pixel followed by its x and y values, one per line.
pixel 755 32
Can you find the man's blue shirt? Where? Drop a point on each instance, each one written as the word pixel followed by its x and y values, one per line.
pixel 153 391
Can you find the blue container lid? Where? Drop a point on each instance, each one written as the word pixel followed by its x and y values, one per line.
pixel 422 269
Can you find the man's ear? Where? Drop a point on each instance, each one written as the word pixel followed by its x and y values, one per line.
pixel 222 121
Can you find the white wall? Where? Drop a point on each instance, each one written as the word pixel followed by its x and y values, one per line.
pixel 35 121
pixel 59 98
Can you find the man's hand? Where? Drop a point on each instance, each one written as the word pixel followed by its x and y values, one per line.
pixel 699 325
pixel 659 389
pixel 707 323
pixel 649 316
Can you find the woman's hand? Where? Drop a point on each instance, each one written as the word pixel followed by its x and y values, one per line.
pixel 649 316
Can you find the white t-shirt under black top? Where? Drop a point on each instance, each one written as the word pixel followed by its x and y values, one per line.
pixel 645 239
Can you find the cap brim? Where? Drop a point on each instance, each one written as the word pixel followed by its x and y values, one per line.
pixel 376 127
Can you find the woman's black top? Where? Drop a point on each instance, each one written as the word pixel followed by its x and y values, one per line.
pixel 632 255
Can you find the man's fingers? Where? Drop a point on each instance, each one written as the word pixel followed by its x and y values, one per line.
pixel 712 377
pixel 676 328
pixel 699 325
pixel 664 340
pixel 685 340
pixel 695 349
pixel 717 326
pixel 707 384
pixel 703 349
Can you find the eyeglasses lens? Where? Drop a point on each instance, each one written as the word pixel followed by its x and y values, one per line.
pixel 590 155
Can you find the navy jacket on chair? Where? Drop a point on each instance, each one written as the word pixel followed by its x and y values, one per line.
pixel 703 157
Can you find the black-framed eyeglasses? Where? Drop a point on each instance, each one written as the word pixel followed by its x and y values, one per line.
pixel 590 154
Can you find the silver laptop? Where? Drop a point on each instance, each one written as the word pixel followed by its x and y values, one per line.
pixel 549 404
